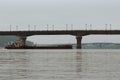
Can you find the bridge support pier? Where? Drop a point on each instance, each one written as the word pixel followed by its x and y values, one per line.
pixel 22 40
pixel 79 39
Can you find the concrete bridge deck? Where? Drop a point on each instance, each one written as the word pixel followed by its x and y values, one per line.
pixel 61 32
pixel 77 33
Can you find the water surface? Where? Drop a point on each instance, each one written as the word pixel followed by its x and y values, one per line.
pixel 59 64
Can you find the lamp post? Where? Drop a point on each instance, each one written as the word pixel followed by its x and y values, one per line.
pixel 34 27
pixel 29 27
pixel 105 26
pixel 71 26
pixel 16 27
pixel 66 26
pixel 86 26
pixel 90 26
pixel 53 27
pixel 10 27
pixel 47 27
pixel 110 26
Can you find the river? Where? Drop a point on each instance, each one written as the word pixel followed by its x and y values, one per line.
pixel 60 64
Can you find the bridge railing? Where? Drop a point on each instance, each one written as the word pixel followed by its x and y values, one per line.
pixel 58 27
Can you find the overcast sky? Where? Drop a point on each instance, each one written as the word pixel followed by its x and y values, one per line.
pixel 61 12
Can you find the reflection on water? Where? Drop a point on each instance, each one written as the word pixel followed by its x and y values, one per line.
pixel 79 61
pixel 59 64
pixel 13 65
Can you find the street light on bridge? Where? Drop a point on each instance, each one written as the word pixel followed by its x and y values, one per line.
pixel 53 27
pixel 86 26
pixel 66 26
pixel 90 26
pixel 29 27
pixel 105 26
pixel 47 27
pixel 34 27
pixel 16 27
pixel 10 27
pixel 71 26
pixel 110 26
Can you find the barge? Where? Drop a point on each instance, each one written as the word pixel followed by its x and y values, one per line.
pixel 40 47
pixel 20 44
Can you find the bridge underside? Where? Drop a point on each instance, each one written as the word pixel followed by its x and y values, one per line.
pixel 21 42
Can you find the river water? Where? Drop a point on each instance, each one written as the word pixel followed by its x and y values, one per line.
pixel 59 64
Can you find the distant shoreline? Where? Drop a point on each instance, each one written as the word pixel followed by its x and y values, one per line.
pixel 101 45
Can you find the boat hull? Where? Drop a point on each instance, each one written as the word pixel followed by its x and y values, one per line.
pixel 41 47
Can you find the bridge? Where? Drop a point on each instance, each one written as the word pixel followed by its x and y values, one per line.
pixel 77 33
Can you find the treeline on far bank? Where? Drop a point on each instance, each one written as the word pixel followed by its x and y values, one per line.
pixel 99 45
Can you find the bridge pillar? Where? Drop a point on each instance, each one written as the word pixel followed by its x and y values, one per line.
pixel 79 39
pixel 22 40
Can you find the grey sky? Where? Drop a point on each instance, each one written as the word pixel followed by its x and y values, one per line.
pixel 61 12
